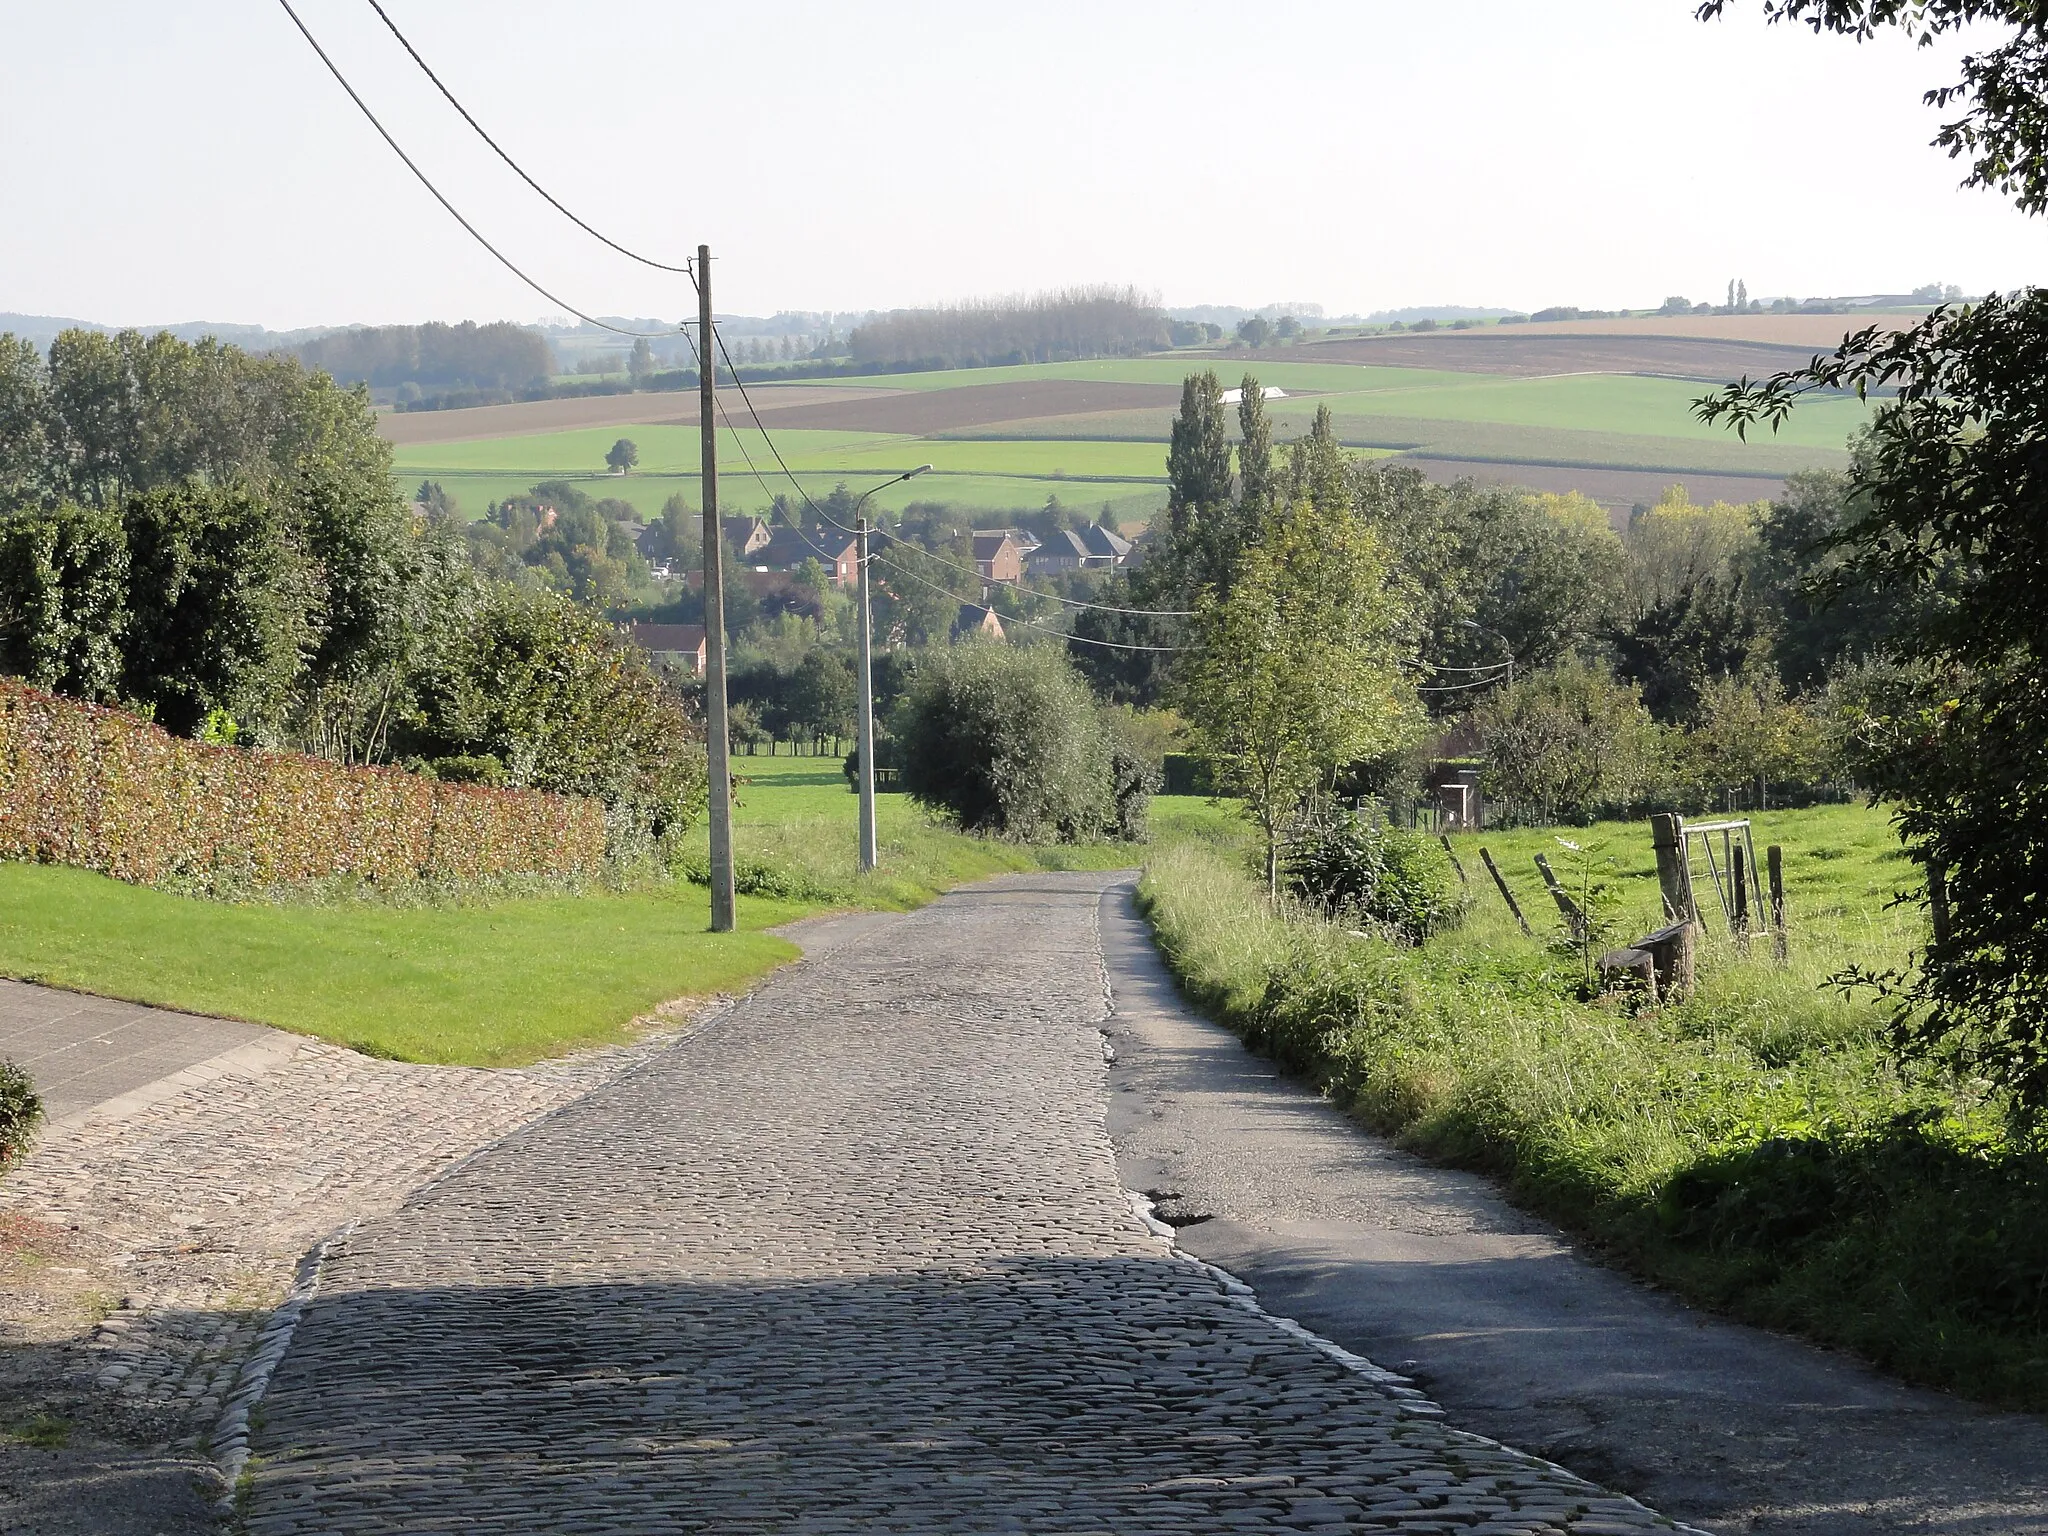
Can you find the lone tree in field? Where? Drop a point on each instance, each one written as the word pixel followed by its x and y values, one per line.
pixel 625 453
pixel 1295 670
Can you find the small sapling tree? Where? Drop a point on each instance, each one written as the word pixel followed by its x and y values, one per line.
pixel 1295 669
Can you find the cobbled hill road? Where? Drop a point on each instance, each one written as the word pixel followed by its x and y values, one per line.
pixel 853 1257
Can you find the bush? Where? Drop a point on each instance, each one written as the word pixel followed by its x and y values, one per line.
pixel 20 1111
pixel 1394 882
pixel 1011 742
pixel 102 790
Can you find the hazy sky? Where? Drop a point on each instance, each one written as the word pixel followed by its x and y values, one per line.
pixel 168 160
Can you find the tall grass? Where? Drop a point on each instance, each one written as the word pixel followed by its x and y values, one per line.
pixel 1756 1146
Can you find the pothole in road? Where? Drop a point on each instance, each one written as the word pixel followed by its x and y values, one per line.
pixel 1169 1207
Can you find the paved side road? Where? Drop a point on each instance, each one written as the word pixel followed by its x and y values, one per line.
pixel 854 1258
pixel 1432 1272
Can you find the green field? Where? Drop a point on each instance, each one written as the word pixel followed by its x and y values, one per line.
pixel 499 983
pixel 1624 422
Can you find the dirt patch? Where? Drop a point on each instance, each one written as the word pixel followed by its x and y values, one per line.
pixel 833 408
pixel 664 408
pixel 1533 351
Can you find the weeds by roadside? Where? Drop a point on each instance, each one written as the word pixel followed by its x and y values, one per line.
pixel 1755 1146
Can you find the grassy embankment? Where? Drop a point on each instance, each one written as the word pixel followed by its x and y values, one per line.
pixel 497 983
pixel 1755 1147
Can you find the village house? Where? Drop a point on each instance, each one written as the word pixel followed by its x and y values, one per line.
pixel 1091 548
pixel 973 619
pixel 788 549
pixel 999 555
pixel 745 535
pixel 673 648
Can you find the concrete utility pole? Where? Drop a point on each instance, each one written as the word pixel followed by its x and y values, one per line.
pixel 716 751
pixel 865 721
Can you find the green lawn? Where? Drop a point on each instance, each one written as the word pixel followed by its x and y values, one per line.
pixel 487 985
pixel 507 981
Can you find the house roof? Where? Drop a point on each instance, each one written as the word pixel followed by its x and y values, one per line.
pixel 791 548
pixel 988 545
pixel 1101 541
pixel 1064 543
pixel 973 618
pixel 666 637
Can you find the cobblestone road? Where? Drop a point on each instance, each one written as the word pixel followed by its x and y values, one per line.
pixel 852 1258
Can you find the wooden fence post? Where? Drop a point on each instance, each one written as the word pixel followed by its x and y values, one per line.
pixel 1667 836
pixel 1737 866
pixel 1506 895
pixel 1453 857
pixel 1774 859
pixel 1574 919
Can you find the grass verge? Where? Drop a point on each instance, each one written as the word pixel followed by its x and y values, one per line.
pixel 1754 1147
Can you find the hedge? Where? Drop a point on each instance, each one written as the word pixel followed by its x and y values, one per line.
pixel 103 790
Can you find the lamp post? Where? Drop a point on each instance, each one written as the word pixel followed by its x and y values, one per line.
pixel 865 724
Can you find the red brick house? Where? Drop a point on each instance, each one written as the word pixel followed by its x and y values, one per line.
pixel 999 556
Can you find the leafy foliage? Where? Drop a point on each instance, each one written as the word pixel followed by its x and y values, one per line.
pixel 1358 868
pixel 21 1110
pixel 1566 741
pixel 63 599
pixel 1294 671
pixel 2005 130
pixel 99 789
pixel 1009 742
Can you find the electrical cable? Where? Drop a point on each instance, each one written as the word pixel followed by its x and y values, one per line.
pixel 453 211
pixel 687 269
pixel 1061 634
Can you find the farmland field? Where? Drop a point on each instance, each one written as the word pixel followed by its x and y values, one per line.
pixel 1615 420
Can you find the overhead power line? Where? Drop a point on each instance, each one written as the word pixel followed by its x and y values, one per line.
pixel 517 168
pixel 453 212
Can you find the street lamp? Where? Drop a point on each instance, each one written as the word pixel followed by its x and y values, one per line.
pixel 1505 645
pixel 865 735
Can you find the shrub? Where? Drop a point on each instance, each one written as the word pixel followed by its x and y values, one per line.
pixel 102 790
pixel 20 1111
pixel 1011 742
pixel 1392 881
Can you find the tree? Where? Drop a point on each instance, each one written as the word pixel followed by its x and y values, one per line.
pixel 64 599
pixel 1196 548
pixel 1749 733
pixel 1688 615
pixel 1828 616
pixel 1493 574
pixel 1953 481
pixel 1008 741
pixel 641 364
pixel 623 455
pixel 1255 331
pixel 1254 454
pixel 1295 669
pixel 1567 741
pixel 221 609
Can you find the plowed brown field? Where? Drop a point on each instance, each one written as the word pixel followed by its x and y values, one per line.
pixel 835 407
